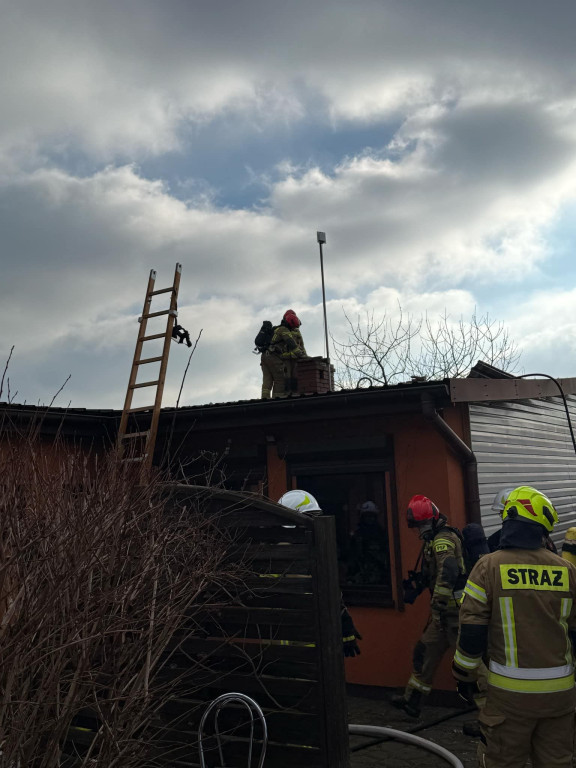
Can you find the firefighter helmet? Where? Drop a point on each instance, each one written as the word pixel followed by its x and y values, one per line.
pixel 421 510
pixel 291 318
pixel 300 501
pixel 501 498
pixel 529 505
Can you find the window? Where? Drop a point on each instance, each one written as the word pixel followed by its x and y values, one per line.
pixel 360 502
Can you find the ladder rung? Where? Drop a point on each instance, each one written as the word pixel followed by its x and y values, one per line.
pixel 157 314
pixel 154 336
pixel 162 290
pixel 148 360
pixel 135 458
pixel 129 435
pixel 144 384
pixel 142 408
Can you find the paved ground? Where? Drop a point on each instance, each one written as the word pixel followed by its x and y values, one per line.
pixel 377 711
pixel 369 711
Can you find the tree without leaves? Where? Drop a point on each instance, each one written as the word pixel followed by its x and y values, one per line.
pixel 392 348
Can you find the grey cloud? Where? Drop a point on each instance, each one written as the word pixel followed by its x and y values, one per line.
pixel 75 250
pixel 98 356
pixel 121 79
pixel 480 166
pixel 512 144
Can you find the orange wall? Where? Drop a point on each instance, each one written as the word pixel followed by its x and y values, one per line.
pixel 423 464
pixel 276 472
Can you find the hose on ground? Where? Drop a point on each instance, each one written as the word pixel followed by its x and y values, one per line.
pixel 406 738
pixel 419 727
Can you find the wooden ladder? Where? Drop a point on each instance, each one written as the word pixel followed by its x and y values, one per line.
pixel 142 449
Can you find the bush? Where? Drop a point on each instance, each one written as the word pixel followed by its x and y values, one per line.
pixel 98 575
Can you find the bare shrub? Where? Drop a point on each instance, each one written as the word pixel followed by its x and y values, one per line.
pixel 98 574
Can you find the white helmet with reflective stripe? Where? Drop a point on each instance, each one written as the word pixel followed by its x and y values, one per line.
pixel 300 501
pixel 501 498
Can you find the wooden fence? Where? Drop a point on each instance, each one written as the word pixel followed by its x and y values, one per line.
pixel 277 638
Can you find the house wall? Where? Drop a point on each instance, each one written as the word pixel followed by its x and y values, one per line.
pixel 423 464
pixel 259 443
pixel 50 453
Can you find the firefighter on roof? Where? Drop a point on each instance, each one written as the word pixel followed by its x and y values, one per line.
pixel 443 572
pixel 519 609
pixel 279 360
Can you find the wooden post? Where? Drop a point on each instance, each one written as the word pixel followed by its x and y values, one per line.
pixel 328 601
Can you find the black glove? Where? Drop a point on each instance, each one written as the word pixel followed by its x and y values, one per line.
pixel 351 647
pixel 413 586
pixel 350 635
pixel 468 691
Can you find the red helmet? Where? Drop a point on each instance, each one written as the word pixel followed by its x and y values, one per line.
pixel 421 509
pixel 292 319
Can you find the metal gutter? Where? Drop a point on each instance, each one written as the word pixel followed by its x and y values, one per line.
pixel 464 453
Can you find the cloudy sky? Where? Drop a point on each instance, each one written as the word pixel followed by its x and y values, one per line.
pixel 433 140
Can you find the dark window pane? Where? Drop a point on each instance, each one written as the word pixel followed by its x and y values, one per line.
pixel 358 503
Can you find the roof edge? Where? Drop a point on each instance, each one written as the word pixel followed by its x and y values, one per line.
pixel 478 390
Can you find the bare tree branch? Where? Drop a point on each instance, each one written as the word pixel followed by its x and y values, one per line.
pixel 5 370
pixel 391 349
pixel 166 456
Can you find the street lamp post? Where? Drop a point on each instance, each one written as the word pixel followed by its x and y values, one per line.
pixel 321 238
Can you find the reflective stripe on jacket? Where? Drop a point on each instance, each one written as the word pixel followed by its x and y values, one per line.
pixel 526 599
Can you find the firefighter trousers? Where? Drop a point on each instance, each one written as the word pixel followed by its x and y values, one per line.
pixel 439 634
pixel 510 741
pixel 273 376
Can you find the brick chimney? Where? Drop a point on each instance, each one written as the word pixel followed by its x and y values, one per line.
pixel 313 377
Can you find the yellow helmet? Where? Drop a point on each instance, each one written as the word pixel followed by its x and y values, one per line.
pixel 529 504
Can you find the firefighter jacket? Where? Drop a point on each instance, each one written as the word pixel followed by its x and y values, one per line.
pixel 287 342
pixel 443 569
pixel 519 607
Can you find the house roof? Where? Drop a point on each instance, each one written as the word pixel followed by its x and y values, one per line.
pixel 485 384
pixel 396 398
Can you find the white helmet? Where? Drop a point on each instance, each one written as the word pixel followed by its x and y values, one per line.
pixel 300 501
pixel 501 498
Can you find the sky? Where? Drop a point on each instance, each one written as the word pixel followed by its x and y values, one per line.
pixel 434 141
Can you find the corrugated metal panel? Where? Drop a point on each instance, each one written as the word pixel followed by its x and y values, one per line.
pixel 525 442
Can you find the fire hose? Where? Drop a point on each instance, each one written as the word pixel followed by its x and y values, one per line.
pixel 406 738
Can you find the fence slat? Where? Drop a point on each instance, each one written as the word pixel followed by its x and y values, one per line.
pixel 218 648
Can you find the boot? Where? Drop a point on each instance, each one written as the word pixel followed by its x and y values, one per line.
pixel 410 705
